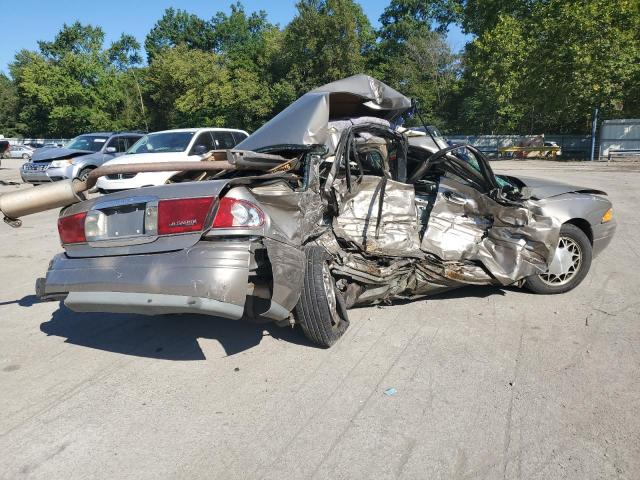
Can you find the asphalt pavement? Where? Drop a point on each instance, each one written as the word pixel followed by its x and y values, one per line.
pixel 485 382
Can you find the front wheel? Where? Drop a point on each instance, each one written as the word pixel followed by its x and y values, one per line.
pixel 570 264
pixel 84 174
pixel 320 311
pixel 25 156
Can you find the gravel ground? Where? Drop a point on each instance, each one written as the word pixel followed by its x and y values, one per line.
pixel 490 383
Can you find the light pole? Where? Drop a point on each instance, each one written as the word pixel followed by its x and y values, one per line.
pixel 594 124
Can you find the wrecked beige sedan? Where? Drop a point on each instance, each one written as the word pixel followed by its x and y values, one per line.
pixel 327 206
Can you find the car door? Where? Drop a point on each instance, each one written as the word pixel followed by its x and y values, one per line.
pixel 129 141
pixel 239 136
pixel 115 147
pixel 375 213
pixel 472 218
pixel 224 140
pixel 202 144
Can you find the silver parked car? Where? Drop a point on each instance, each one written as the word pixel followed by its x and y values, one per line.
pixel 327 206
pixel 19 151
pixel 77 158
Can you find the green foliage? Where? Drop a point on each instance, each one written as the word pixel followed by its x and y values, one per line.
pixel 531 66
pixel 73 85
pixel 582 54
pixel 545 67
pixel 239 34
pixel 403 19
pixel 9 125
pixel 327 40
pixel 425 69
pixel 77 39
pixel 177 27
pixel 187 88
pixel 124 53
pixel 492 96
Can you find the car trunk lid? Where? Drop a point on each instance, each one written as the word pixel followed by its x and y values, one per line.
pixel 147 220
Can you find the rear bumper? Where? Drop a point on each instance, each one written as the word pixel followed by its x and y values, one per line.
pixel 602 235
pixel 210 278
pixel 149 304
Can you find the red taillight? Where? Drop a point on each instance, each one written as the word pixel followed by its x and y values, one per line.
pixel 233 212
pixel 183 215
pixel 71 228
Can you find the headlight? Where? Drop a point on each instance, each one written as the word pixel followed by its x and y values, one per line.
pixel 608 216
pixel 61 163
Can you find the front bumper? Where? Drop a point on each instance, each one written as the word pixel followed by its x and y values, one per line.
pixel 140 180
pixel 210 278
pixel 44 173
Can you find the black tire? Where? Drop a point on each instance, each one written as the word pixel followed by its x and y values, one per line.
pixel 542 284
pixel 321 311
pixel 25 156
pixel 84 173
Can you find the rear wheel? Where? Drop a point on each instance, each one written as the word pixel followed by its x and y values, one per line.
pixel 320 311
pixel 25 156
pixel 570 264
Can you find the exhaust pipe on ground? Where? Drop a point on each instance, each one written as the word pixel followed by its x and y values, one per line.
pixel 67 192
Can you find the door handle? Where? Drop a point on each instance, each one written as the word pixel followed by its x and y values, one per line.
pixel 454 197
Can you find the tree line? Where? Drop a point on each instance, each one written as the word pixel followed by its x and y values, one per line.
pixel 531 66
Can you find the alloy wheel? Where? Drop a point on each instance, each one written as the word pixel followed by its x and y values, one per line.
pixel 566 263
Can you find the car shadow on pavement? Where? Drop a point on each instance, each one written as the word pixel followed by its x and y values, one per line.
pixel 175 337
pixel 26 301
pixel 471 291
pixel 169 337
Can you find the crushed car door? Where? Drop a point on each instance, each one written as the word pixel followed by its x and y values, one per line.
pixel 374 212
pixel 471 222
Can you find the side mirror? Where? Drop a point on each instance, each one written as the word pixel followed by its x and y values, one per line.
pixel 199 150
pixel 110 150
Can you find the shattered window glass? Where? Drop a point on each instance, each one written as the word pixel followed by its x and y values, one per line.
pixel 467 157
pixel 372 163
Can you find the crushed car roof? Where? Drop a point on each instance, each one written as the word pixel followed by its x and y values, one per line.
pixel 305 121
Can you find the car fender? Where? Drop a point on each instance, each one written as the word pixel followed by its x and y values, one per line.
pixel 290 217
pixel 569 206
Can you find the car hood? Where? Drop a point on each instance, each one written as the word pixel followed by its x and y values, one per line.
pixel 150 158
pixel 548 188
pixel 43 155
pixel 305 121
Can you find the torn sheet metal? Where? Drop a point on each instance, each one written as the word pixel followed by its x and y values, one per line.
pixel 336 127
pixel 378 226
pixel 378 98
pixel 305 121
pixel 512 242
pixel 295 215
pixel 287 269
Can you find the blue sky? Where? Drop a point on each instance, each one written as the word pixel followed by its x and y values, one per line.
pixel 27 21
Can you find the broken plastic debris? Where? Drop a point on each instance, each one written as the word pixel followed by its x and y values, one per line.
pixel 390 392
